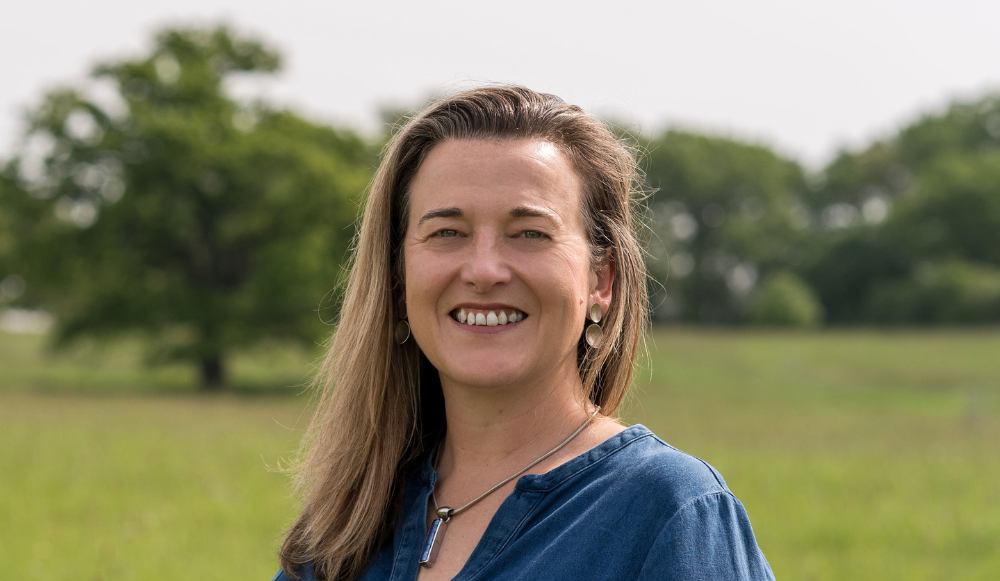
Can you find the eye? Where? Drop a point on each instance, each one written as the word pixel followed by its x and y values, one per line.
pixel 532 234
pixel 447 233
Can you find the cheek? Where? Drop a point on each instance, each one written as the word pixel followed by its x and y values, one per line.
pixel 561 279
pixel 425 276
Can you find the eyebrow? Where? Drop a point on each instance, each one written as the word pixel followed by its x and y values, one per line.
pixel 518 212
pixel 532 212
pixel 441 213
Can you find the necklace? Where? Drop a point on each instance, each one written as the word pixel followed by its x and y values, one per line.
pixel 432 544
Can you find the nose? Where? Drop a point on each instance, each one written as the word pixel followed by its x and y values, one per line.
pixel 486 263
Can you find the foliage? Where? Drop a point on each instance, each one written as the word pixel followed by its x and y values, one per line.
pixel 955 292
pixel 954 210
pixel 785 300
pixel 724 212
pixel 930 195
pixel 842 266
pixel 206 223
pixel 888 168
pixel 209 223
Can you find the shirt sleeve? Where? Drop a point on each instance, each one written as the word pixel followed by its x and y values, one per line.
pixel 709 538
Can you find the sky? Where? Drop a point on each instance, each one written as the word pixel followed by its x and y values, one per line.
pixel 805 77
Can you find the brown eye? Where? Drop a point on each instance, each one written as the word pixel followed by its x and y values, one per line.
pixel 532 234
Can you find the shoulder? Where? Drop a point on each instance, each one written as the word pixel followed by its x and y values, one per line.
pixel 644 463
pixel 702 531
pixel 633 472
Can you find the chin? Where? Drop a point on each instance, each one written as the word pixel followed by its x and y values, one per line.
pixel 484 373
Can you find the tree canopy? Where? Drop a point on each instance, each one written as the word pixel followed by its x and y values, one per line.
pixel 725 213
pixel 917 211
pixel 204 223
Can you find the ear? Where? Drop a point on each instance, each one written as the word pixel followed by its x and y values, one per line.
pixel 604 280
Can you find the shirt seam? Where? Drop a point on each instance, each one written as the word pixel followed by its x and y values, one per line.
pixel 680 509
pixel 715 474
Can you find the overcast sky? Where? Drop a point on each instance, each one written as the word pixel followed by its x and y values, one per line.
pixel 806 77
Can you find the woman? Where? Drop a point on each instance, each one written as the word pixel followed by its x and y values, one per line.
pixel 498 227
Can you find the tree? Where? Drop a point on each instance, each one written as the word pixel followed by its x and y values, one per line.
pixel 725 213
pixel 953 210
pixel 888 168
pixel 173 210
pixel 930 201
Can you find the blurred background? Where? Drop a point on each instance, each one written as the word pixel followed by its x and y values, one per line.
pixel 179 187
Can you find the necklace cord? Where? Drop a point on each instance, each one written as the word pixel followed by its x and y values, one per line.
pixel 454 511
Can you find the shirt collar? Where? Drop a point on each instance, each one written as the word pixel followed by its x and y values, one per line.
pixel 426 475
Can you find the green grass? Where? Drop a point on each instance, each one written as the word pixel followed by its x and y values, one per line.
pixel 858 454
pixel 28 364
pixel 142 488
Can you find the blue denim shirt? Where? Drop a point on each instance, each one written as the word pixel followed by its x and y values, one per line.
pixel 633 507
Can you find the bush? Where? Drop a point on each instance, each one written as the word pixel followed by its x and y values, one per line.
pixel 953 292
pixel 785 300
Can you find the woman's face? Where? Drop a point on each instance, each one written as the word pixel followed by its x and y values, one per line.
pixel 495 236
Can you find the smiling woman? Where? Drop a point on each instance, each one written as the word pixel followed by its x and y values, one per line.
pixel 466 427
pixel 495 229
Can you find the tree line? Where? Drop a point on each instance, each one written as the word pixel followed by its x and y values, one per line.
pixel 151 201
pixel 903 231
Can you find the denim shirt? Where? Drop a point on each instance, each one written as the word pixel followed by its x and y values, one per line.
pixel 632 507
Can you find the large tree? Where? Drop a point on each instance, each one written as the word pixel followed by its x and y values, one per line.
pixel 164 206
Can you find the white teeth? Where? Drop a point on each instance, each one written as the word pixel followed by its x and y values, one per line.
pixel 489 318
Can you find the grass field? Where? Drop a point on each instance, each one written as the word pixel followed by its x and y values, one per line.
pixel 859 455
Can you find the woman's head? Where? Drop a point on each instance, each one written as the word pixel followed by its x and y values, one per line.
pixel 605 170
pixel 380 404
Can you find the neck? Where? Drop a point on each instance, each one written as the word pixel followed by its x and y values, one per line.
pixel 497 428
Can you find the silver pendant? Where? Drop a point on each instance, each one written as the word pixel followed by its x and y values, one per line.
pixel 432 544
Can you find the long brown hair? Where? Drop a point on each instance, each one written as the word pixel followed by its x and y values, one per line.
pixel 380 405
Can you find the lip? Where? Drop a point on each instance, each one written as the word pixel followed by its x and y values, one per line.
pixel 485 306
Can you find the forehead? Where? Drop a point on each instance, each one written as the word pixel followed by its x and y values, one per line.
pixel 483 174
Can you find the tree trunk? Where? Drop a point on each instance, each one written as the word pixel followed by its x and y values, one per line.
pixel 213 374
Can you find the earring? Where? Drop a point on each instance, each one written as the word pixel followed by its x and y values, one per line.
pixel 594 332
pixel 402 331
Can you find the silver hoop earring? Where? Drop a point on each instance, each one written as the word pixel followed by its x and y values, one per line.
pixel 594 332
pixel 402 331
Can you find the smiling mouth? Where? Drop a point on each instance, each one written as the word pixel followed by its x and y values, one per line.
pixel 487 318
